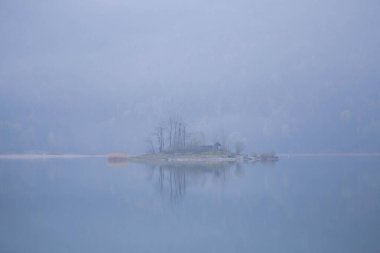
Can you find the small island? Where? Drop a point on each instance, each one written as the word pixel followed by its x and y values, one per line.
pixel 171 143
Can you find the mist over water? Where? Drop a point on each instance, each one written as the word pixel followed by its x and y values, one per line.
pixel 300 204
pixel 218 82
pixel 97 76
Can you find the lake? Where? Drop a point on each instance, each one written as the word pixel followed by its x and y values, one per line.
pixel 299 204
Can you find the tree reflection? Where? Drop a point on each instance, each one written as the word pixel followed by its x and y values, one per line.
pixel 173 179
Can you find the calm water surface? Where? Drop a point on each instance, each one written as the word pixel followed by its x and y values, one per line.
pixel 300 204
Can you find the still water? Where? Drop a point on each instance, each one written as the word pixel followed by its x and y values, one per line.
pixel 299 204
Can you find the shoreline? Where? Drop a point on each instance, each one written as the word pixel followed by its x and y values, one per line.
pixel 181 158
pixel 178 158
pixel 336 154
pixel 46 156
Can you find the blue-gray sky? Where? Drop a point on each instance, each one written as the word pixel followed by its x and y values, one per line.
pixel 96 76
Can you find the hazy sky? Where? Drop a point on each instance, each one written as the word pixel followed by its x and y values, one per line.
pixel 96 76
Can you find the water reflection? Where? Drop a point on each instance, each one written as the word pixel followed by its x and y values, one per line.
pixel 173 179
pixel 304 205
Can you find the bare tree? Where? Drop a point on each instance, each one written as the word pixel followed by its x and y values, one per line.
pixel 172 135
pixel 223 141
pixel 179 125
pixel 160 138
pixel 176 133
pixel 239 147
pixel 171 126
pixel 184 136
pixel 150 145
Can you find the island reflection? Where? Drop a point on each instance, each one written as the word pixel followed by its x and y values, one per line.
pixel 172 179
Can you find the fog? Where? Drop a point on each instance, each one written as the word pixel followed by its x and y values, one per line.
pixel 98 76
